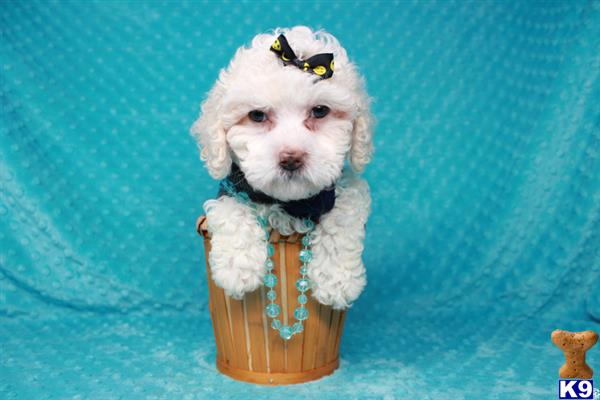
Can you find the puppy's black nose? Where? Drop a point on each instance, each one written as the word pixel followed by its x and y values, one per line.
pixel 291 160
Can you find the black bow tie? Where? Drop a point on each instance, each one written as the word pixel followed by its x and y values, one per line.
pixel 319 64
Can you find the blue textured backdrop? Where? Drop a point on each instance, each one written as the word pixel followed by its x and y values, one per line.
pixel 485 232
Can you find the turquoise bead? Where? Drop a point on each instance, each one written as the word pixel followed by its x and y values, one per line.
pixel 305 255
pixel 276 324
pixel 269 264
pixel 309 224
pixel 286 332
pixel 271 295
pixel 272 310
pixel 228 186
pixel 270 280
pixel 301 313
pixel 303 270
pixel 270 249
pixel 297 327
pixel 262 221
pixel 306 240
pixel 302 285
pixel 302 299
pixel 243 196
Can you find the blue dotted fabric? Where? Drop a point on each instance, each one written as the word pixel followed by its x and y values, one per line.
pixel 485 231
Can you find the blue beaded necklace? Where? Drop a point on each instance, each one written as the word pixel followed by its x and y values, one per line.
pixel 272 310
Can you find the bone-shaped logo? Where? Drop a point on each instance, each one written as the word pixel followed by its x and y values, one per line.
pixel 574 345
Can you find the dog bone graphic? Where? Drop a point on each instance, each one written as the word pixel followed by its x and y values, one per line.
pixel 574 345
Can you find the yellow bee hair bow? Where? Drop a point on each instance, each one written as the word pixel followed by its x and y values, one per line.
pixel 319 64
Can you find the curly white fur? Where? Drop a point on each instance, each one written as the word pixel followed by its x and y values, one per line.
pixel 336 271
pixel 256 80
pixel 238 253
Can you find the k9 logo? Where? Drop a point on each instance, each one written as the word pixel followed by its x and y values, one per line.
pixel 576 389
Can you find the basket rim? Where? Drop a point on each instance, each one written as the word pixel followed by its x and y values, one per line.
pixel 276 237
pixel 277 378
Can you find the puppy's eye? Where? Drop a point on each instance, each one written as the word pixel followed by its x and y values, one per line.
pixel 319 111
pixel 257 116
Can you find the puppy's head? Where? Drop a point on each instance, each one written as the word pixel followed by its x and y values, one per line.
pixel 287 129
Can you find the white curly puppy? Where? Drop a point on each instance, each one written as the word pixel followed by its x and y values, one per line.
pixel 283 130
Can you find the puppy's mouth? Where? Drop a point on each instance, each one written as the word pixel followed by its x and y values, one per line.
pixel 289 174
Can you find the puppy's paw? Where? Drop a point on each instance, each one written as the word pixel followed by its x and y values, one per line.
pixel 337 271
pixel 234 275
pixel 338 293
pixel 238 254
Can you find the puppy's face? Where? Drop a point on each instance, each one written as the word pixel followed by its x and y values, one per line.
pixel 289 131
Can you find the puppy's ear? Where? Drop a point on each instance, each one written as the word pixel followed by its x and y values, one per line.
pixel 210 135
pixel 361 149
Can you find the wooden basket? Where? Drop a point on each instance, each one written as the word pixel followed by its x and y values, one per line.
pixel 249 350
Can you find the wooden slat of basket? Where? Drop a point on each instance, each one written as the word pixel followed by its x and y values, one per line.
pixel 334 332
pixel 254 311
pixel 222 322
pixel 212 307
pixel 276 344
pixel 283 299
pixel 324 327
pixel 213 304
pixel 236 319
pixel 340 331
pixel 218 339
pixel 311 331
pixel 294 345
